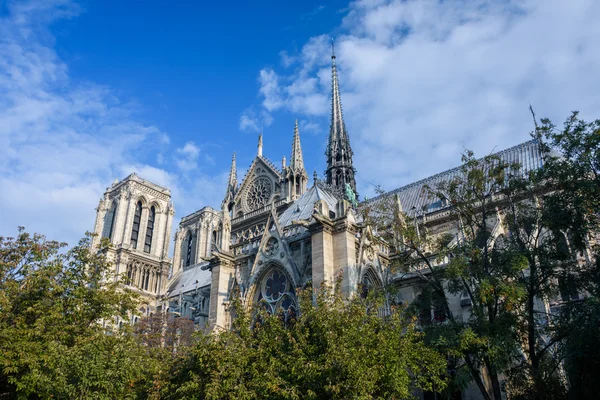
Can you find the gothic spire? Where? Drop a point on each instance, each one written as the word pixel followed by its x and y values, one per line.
pixel 233 173
pixel 339 153
pixel 296 162
pixel 231 184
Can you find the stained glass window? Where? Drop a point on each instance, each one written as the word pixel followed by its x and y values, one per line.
pixel 276 295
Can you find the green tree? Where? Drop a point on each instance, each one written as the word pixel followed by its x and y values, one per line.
pixel 334 349
pixel 460 262
pixel 572 169
pixel 52 339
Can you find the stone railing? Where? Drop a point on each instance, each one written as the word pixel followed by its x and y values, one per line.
pixel 256 212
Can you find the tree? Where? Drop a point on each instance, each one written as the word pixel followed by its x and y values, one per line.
pixel 572 169
pixel 332 350
pixel 460 263
pixel 543 248
pixel 52 341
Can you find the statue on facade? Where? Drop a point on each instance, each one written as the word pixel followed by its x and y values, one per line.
pixel 350 196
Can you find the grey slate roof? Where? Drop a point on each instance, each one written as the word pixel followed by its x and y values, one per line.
pixel 187 279
pixel 303 207
pixel 413 197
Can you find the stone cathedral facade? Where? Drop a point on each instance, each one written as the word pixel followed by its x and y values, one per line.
pixel 277 230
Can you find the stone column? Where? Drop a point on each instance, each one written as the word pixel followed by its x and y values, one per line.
pixel 199 250
pixel 99 225
pixel 222 272
pixel 167 233
pixel 158 233
pixel 126 238
pixel 344 255
pixel 121 213
pixel 177 252
pixel 322 255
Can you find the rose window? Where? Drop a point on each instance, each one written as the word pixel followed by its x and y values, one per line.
pixel 259 193
pixel 276 295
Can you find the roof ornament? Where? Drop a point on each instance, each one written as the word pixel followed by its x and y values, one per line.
pixel 260 145
pixel 332 49
pixel 296 162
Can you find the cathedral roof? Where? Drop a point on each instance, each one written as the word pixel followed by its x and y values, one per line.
pixel 414 198
pixel 302 208
pixel 189 279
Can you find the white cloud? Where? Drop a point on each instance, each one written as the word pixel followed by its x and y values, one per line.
pixel 423 79
pixel 270 90
pixel 252 121
pixel 286 60
pixel 187 158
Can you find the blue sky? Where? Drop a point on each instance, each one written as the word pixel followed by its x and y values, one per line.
pixel 91 91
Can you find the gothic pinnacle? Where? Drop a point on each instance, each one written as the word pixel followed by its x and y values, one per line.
pixel 233 172
pixel 260 145
pixel 296 162
pixel 231 184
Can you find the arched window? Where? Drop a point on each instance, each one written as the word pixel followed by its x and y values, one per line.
pixel 276 295
pixel 214 239
pixel 129 274
pixel 369 282
pixel 150 230
pixel 135 230
pixel 146 280
pixel 109 221
pixel 188 255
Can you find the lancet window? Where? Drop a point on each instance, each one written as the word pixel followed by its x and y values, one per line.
pixel 188 255
pixel 135 230
pixel 150 230
pixel 110 221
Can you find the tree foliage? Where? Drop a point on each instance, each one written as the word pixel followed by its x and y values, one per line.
pixel 520 247
pixel 52 340
pixel 332 350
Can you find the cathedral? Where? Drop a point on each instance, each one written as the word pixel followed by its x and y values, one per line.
pixel 278 230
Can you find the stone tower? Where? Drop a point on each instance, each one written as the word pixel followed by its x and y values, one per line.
pixel 136 215
pixel 340 170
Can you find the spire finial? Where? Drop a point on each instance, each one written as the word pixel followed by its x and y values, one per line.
pixel 332 49
pixel 315 177
pixel 260 144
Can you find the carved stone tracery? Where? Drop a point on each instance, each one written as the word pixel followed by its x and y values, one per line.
pixel 258 193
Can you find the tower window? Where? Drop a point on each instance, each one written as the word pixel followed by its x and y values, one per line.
pixel 150 230
pixel 135 231
pixel 188 257
pixel 110 221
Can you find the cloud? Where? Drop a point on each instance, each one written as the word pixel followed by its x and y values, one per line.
pixel 286 60
pixel 422 80
pixel 253 121
pixel 63 142
pixel 187 159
